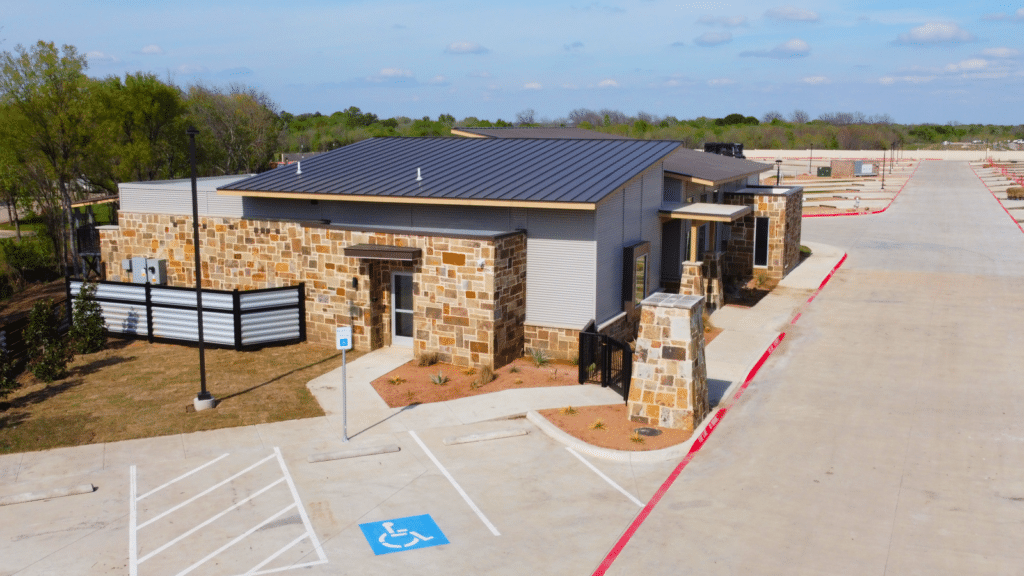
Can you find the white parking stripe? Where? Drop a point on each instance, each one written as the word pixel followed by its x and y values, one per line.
pixel 206 523
pixel 455 484
pixel 203 493
pixel 287 547
pixel 302 511
pixel 606 479
pixel 243 536
pixel 182 477
pixel 133 550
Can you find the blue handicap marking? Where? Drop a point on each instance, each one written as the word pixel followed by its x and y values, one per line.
pixel 401 534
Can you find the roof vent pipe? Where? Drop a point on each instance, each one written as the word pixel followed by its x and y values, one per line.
pixel 299 167
pixel 419 176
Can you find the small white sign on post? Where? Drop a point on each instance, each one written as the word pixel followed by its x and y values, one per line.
pixel 344 341
pixel 344 337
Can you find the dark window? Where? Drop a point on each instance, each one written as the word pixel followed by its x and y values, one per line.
pixel 760 242
pixel 634 274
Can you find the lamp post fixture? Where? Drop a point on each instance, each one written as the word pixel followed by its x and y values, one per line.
pixel 883 168
pixel 204 400
pixel 892 155
pixel 778 172
pixel 810 155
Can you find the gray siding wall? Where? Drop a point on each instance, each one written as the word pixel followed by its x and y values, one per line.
pixel 560 267
pixel 164 199
pixel 653 192
pixel 610 240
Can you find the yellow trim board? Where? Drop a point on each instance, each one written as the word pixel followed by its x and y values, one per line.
pixel 457 132
pixel 410 200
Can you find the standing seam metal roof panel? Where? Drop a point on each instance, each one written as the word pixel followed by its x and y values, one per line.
pixel 550 170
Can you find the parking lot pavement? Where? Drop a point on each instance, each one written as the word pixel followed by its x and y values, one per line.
pixel 504 506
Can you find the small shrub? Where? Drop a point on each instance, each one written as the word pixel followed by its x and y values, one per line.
pixel 708 325
pixel 517 381
pixel 396 380
pixel 575 360
pixel 409 396
pixel 88 330
pixel 31 259
pixel 591 370
pixel 761 279
pixel 805 250
pixel 486 376
pixel 553 375
pixel 514 369
pixel 598 425
pixel 636 438
pixel 469 371
pixel 7 372
pixel 568 411
pixel 429 358
pixel 539 357
pixel 439 379
pixel 48 353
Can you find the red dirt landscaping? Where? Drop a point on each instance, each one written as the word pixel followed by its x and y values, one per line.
pixel 617 431
pixel 410 383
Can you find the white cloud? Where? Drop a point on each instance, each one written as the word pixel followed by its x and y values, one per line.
pixel 1016 16
pixel 967 65
pixel 795 48
pixel 191 69
pixel 152 49
pixel 724 21
pixel 713 38
pixel 574 46
pixel 888 80
pixel 816 80
pixel 532 86
pixel 608 83
pixel 438 80
pixel 1000 52
pixel 465 48
pixel 721 82
pixel 935 33
pixel 97 56
pixel 792 14
pixel 395 73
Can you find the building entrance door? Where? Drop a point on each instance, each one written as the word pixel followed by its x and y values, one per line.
pixel 401 309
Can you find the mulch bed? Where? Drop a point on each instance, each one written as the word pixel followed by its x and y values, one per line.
pixel 411 383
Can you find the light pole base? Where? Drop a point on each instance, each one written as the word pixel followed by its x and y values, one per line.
pixel 204 403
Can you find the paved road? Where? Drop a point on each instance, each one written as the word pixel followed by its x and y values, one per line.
pixel 886 435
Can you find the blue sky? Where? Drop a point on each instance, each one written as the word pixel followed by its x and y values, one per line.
pixel 918 61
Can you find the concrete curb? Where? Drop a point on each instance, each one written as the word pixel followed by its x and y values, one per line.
pixel 870 213
pixel 352 453
pixel 46 495
pixel 676 452
pixel 484 436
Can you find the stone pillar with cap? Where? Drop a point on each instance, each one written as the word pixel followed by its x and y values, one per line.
pixel 669 387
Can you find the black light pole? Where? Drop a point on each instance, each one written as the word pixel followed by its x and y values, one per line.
pixel 778 172
pixel 891 155
pixel 204 399
pixel 810 155
pixel 883 168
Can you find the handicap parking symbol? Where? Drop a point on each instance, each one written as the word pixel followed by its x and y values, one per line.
pixel 401 534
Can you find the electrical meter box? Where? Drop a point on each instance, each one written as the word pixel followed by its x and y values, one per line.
pixel 146 270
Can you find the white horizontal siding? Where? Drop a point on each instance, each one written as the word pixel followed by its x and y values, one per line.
pixel 164 198
pixel 560 267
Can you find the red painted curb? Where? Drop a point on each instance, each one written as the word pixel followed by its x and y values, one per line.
pixel 868 213
pixel 996 197
pixel 620 544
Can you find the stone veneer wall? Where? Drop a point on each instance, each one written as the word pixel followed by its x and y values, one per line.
pixel 469 326
pixel 785 214
pixel 669 387
pixel 843 168
pixel 564 343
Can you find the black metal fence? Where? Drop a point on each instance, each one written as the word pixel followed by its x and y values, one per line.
pixel 234 319
pixel 605 360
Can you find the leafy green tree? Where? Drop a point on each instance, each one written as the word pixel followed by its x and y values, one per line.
pixel 88 330
pixel 46 91
pixel 238 128
pixel 8 382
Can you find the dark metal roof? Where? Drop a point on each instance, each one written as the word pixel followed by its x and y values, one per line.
pixel 540 132
pixel 711 167
pixel 471 169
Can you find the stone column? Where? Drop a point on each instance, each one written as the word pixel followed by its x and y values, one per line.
pixel 712 271
pixel 669 386
pixel 692 281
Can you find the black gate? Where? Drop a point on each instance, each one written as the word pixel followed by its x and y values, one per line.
pixel 604 359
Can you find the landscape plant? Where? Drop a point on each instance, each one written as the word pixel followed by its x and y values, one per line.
pixel 539 357
pixel 439 379
pixel 49 354
pixel 88 330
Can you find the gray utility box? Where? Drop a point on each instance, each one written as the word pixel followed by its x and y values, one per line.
pixel 146 270
pixel 864 168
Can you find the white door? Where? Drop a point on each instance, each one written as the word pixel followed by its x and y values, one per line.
pixel 401 309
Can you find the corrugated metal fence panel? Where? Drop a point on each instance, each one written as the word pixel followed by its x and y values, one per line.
pixel 609 257
pixel 560 267
pixel 257 300
pixel 125 318
pixel 177 324
pixel 273 326
pixel 211 300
